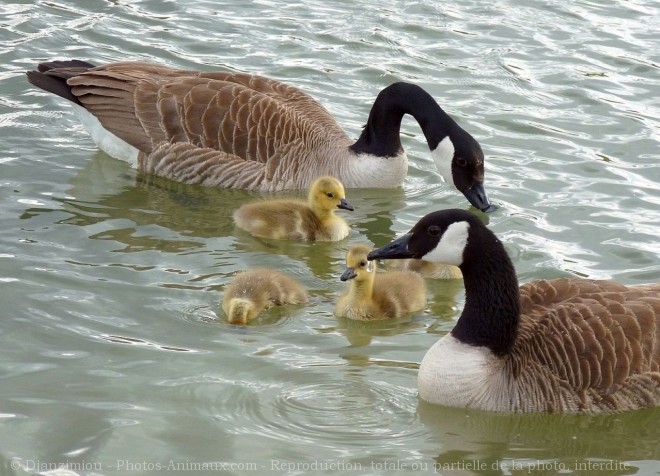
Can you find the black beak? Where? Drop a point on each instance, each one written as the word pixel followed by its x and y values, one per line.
pixel 398 249
pixel 476 195
pixel 343 204
pixel 349 273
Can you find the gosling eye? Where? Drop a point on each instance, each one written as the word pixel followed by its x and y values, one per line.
pixel 363 263
pixel 330 195
pixel 461 162
pixel 434 230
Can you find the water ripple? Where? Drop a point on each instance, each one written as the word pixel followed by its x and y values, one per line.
pixel 332 412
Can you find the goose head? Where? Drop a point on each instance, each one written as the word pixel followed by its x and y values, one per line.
pixel 439 237
pixel 457 155
pixel 460 161
pixel 357 265
pixel 326 195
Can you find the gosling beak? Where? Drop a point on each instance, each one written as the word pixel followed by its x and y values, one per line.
pixel 349 273
pixel 398 249
pixel 343 204
pixel 238 320
pixel 476 195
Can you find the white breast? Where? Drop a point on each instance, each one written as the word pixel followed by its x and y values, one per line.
pixel 371 171
pixel 460 375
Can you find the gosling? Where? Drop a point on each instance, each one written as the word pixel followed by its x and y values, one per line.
pixel 252 292
pixel 293 219
pixel 372 295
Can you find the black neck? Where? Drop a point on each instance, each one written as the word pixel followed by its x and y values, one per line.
pixel 381 135
pixel 492 298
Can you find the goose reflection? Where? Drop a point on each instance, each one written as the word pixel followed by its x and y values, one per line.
pixel 475 441
pixel 139 209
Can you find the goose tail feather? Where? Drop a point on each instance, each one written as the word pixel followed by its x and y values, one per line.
pixel 53 75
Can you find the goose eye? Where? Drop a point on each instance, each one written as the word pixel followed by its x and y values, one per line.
pixel 363 263
pixel 330 195
pixel 461 162
pixel 434 230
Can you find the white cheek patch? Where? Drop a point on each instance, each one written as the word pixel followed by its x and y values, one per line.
pixel 370 266
pixel 443 156
pixel 451 246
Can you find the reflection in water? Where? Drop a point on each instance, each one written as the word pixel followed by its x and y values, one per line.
pixel 82 432
pixel 500 443
pixel 360 333
pixel 107 190
pixel 110 189
pixel 115 339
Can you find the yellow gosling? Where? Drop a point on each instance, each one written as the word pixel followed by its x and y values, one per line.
pixel 294 219
pixel 253 291
pixel 373 295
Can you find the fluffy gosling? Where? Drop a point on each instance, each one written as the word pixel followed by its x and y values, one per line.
pixel 253 291
pixel 372 295
pixel 293 219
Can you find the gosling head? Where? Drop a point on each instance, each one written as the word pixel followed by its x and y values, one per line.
pixel 357 265
pixel 327 194
pixel 240 311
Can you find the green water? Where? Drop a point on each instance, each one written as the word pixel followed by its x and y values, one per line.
pixel 115 356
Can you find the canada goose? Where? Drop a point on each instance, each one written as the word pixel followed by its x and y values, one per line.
pixel 293 219
pixel 559 345
pixel 426 268
pixel 251 292
pixel 238 130
pixel 372 295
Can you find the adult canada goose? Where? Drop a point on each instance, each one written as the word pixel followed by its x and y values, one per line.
pixel 239 130
pixel 253 291
pixel 293 219
pixel 561 345
pixel 373 295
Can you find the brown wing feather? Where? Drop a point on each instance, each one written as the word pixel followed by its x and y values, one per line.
pixel 597 342
pixel 188 163
pixel 145 102
pixel 244 115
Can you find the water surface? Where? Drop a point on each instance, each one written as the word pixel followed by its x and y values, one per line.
pixel 115 354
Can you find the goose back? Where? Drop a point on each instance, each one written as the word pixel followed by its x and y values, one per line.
pixel 587 345
pixel 227 119
pixel 249 117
